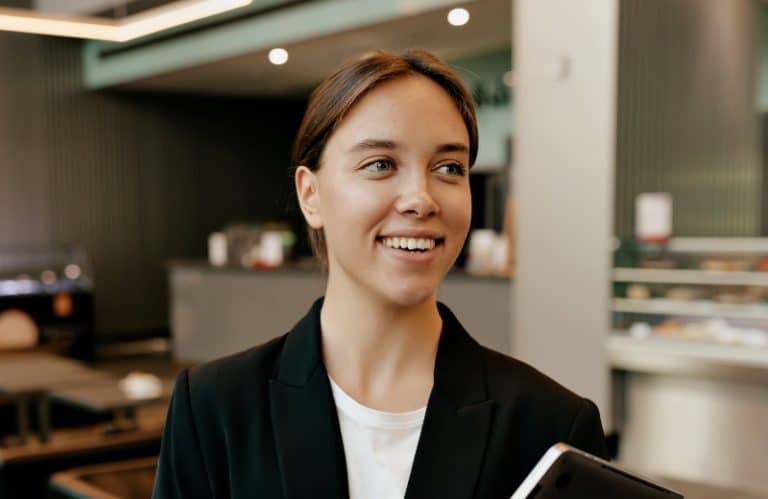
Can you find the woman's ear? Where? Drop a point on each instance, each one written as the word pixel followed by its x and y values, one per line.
pixel 309 196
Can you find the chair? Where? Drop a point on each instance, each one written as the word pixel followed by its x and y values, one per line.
pixel 118 480
pixel 25 470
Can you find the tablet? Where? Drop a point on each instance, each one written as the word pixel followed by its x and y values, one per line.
pixel 567 473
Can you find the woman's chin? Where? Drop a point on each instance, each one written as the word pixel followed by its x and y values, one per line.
pixel 410 296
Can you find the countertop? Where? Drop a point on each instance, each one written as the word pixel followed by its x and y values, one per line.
pixel 304 268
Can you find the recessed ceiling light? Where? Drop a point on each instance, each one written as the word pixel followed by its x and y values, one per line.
pixel 458 16
pixel 278 56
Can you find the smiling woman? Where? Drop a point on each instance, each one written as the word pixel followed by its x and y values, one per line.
pixel 334 99
pixel 386 175
pixel 378 392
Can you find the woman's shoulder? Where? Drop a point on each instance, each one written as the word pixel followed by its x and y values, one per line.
pixel 227 376
pixel 512 381
pixel 533 404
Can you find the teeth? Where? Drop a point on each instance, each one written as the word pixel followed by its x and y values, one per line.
pixel 409 243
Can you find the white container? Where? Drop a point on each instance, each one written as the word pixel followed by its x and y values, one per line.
pixel 271 249
pixel 653 217
pixel 217 249
pixel 500 255
pixel 481 251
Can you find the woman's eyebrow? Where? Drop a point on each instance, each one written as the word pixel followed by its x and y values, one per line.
pixel 390 144
pixel 374 144
pixel 452 147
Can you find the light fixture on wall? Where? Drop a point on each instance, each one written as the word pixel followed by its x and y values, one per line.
pixel 129 28
pixel 458 16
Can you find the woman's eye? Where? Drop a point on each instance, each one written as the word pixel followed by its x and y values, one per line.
pixel 380 165
pixel 456 169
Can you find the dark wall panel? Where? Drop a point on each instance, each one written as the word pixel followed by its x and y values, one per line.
pixel 135 179
pixel 24 197
pixel 687 119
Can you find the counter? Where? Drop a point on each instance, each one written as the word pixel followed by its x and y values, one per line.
pixel 691 409
pixel 216 311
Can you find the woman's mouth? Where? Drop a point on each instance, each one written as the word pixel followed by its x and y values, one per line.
pixel 411 244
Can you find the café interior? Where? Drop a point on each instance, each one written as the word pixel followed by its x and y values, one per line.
pixel 618 242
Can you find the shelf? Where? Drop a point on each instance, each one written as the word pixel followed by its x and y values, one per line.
pixel 697 308
pixel 680 276
pixel 719 245
pixel 659 355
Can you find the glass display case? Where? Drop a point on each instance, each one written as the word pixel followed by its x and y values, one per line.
pixel 704 298
pixel 689 356
pixel 46 299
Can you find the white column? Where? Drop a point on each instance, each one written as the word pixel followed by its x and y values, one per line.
pixel 565 56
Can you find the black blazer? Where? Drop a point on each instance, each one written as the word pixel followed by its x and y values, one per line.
pixel 262 423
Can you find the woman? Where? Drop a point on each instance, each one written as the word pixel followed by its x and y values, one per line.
pixel 378 392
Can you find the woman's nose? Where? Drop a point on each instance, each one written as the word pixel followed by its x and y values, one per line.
pixel 417 200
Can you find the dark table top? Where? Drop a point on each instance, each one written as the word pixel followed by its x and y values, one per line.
pixel 32 373
pixel 104 396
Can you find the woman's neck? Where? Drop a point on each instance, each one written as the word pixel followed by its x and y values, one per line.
pixel 378 352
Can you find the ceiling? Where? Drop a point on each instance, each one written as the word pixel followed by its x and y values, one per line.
pixel 490 28
pixel 110 9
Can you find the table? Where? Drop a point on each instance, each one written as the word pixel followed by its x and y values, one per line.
pixel 106 395
pixel 133 478
pixel 26 378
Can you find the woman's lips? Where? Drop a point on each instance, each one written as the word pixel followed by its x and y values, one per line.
pixel 412 257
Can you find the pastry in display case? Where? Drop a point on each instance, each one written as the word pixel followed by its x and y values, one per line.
pixel 712 290
pixel 46 299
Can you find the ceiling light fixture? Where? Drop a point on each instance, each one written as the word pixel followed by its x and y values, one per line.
pixel 278 56
pixel 458 17
pixel 135 26
pixel 24 21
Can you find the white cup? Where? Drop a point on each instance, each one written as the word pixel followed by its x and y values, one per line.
pixel 217 249
pixel 271 249
pixel 481 249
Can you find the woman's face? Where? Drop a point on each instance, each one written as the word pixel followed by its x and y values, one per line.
pixel 392 194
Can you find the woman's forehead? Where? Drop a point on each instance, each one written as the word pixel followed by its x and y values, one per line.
pixel 402 111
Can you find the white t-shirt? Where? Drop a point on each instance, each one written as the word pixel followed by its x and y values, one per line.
pixel 379 447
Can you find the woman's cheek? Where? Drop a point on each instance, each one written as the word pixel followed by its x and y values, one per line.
pixel 459 211
pixel 356 206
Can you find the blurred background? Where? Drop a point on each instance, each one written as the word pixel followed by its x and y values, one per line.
pixel 148 223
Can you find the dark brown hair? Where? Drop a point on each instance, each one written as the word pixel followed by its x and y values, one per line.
pixel 332 100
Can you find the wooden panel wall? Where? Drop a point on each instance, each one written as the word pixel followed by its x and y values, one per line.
pixel 687 119
pixel 135 179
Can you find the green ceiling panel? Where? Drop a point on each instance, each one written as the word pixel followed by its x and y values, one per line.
pixel 278 26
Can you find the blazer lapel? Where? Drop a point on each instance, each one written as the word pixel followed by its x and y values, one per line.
pixel 307 435
pixel 453 438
